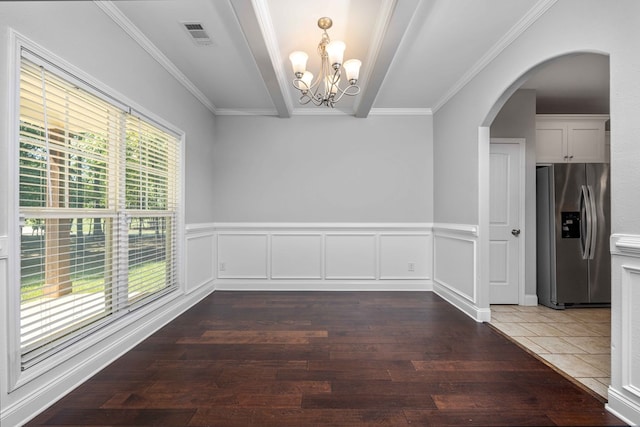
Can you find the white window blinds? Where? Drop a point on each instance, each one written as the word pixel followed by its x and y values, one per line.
pixel 98 195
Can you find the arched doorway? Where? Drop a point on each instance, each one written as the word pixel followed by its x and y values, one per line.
pixel 557 86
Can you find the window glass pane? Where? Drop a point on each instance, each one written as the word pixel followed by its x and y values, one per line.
pixel 33 167
pixel 65 136
pixel 66 276
pixel 150 253
pixel 150 154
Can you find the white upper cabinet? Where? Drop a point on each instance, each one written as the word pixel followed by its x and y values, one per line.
pixel 570 138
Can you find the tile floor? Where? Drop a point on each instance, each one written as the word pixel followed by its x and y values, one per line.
pixel 576 341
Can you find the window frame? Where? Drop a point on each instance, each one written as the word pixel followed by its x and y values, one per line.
pixel 18 376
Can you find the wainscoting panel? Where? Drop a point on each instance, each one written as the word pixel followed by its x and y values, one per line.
pixel 332 256
pixel 200 259
pixel 456 267
pixel 630 344
pixel 405 256
pixel 350 256
pixel 624 391
pixel 243 256
pixel 296 256
pixel 452 256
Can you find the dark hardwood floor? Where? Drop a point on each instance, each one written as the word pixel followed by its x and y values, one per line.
pixel 323 359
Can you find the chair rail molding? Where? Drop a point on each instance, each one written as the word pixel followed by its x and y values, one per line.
pixel 625 244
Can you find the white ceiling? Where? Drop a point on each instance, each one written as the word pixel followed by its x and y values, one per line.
pixel 416 53
pixel 577 84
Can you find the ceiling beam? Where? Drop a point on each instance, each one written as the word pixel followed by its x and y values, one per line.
pixel 384 51
pixel 260 37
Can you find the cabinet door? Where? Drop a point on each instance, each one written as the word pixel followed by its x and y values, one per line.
pixel 586 142
pixel 551 142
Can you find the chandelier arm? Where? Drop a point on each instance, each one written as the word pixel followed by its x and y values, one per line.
pixel 310 94
pixel 316 96
pixel 298 83
pixel 347 91
pixel 308 97
pixel 318 100
pixel 315 85
pixel 304 99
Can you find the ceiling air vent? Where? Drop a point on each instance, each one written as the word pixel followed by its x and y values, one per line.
pixel 198 34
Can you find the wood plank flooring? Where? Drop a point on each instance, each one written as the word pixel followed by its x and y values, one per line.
pixel 326 359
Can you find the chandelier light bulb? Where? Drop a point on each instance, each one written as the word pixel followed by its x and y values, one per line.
pixel 352 69
pixel 335 51
pixel 298 62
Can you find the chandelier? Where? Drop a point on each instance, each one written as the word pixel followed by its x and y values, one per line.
pixel 325 89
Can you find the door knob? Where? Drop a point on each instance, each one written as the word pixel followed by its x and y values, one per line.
pixel 515 231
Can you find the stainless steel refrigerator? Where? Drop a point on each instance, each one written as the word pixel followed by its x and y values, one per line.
pixel 573 228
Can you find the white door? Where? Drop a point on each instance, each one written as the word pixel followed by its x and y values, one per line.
pixel 504 222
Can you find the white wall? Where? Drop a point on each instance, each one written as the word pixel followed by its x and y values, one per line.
pixel 517 119
pixel 568 26
pixel 82 35
pixel 323 169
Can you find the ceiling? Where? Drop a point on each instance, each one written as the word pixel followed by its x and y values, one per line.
pixel 416 54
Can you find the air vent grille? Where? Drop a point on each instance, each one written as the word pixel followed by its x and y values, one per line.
pixel 197 33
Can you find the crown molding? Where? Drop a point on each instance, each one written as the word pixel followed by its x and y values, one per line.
pixel 246 112
pixel 520 27
pixel 401 112
pixel 321 111
pixel 110 9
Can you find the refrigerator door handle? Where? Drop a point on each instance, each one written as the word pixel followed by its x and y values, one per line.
pixel 585 222
pixel 594 222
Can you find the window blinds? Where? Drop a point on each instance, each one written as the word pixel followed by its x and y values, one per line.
pixel 98 195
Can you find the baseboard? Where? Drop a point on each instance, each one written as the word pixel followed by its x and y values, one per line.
pixel 623 408
pixel 324 285
pixel 96 358
pixel 530 300
pixel 462 304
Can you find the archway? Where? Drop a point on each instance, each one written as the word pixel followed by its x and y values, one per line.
pixel 563 107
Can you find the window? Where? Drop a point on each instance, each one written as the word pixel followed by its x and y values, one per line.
pixel 98 204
